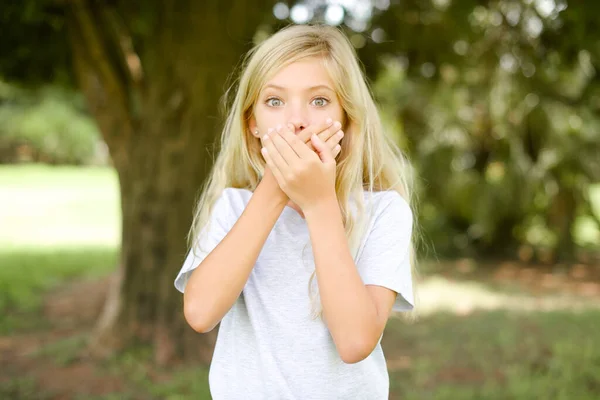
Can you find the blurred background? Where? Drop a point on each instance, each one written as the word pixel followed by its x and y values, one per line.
pixel 109 118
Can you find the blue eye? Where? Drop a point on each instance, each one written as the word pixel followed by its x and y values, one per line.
pixel 274 102
pixel 320 102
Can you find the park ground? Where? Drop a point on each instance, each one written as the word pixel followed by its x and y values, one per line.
pixel 486 330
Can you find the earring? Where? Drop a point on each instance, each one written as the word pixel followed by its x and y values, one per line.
pixel 256 132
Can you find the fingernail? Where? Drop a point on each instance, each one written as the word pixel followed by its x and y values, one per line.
pixel 341 134
pixel 338 124
pixel 279 128
pixel 328 121
pixel 265 137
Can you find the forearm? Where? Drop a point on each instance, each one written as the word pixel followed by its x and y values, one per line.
pixel 349 311
pixel 218 281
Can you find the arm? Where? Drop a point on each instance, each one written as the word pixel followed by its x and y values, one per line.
pixel 355 314
pixel 217 282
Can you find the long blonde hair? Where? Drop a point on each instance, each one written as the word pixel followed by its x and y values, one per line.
pixel 369 159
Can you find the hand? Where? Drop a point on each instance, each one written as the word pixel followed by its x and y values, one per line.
pixel 305 176
pixel 329 132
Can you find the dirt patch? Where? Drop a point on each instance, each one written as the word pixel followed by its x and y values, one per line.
pixel 77 379
pixel 72 310
pixel 78 303
pixel 536 279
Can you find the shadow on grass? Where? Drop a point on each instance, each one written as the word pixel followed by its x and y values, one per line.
pixel 27 274
pixel 495 355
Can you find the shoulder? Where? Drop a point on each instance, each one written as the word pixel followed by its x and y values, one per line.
pixel 388 205
pixel 231 202
pixel 236 197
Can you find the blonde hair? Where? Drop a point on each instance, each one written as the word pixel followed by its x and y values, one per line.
pixel 369 159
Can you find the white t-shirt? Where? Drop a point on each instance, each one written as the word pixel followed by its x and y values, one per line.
pixel 268 347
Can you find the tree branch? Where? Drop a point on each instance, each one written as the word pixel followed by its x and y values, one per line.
pixel 98 54
pixel 126 57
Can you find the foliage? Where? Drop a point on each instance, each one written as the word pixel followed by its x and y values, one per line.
pixel 34 45
pixel 497 105
pixel 49 125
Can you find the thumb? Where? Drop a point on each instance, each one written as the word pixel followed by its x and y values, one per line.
pixel 321 149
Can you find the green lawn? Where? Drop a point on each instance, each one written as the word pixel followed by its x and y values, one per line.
pixel 58 207
pixel 56 223
pixel 475 339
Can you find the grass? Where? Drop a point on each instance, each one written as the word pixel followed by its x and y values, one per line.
pixel 25 276
pixel 498 355
pixel 21 388
pixel 57 223
pixel 170 384
pixel 52 207
pixel 473 341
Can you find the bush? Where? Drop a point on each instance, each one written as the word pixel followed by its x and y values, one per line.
pixel 47 125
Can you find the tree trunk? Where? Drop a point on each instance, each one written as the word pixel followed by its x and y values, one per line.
pixel 157 107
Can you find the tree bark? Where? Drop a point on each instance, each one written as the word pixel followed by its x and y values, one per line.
pixel 157 106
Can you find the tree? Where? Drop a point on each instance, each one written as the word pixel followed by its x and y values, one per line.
pixel 152 74
pixel 498 105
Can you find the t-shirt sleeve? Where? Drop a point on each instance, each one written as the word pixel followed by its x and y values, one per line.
pixel 385 257
pixel 221 221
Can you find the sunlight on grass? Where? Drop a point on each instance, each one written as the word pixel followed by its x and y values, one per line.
pixel 440 294
pixel 43 206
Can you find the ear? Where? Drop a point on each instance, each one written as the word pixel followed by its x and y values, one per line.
pixel 253 128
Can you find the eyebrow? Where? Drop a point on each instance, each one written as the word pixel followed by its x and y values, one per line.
pixel 277 87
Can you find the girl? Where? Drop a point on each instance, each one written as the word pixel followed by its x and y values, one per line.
pixel 301 248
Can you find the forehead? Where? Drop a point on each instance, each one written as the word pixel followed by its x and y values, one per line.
pixel 304 73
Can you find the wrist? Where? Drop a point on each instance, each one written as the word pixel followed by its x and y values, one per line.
pixel 270 188
pixel 325 206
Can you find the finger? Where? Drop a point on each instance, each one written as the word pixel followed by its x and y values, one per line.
pixel 273 152
pixel 330 131
pixel 322 149
pixel 284 148
pixel 265 138
pixel 310 146
pixel 262 138
pixel 314 129
pixel 336 151
pixel 276 173
pixel 335 139
pixel 300 148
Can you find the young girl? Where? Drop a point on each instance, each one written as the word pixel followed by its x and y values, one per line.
pixel 301 243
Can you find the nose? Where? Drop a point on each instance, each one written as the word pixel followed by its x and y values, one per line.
pixel 298 117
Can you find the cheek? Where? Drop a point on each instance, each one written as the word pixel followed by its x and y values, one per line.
pixel 339 115
pixel 266 119
pixel 336 113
